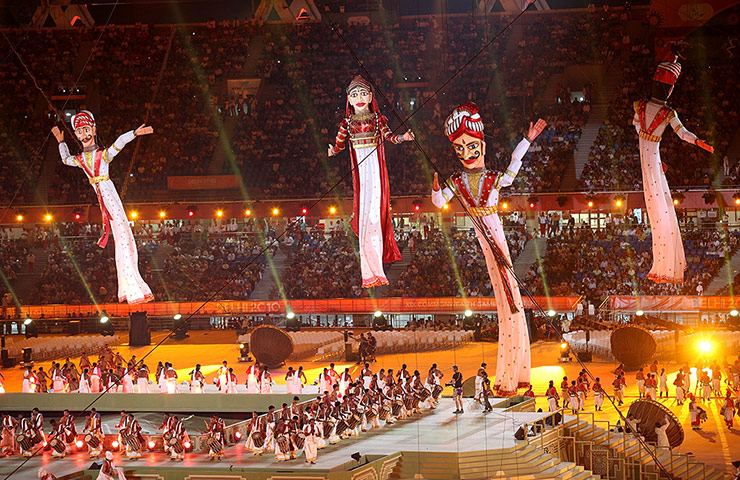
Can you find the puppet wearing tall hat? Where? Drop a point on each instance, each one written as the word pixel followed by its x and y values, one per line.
pixel 478 189
pixel 650 120
pixel 368 131
pixel 94 162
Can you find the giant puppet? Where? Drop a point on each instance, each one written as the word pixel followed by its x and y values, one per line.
pixel 650 120
pixel 478 189
pixel 371 218
pixel 94 162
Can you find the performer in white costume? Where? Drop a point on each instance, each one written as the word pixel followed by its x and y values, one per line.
pixel 371 219
pixel 94 162
pixel 478 189
pixel 650 120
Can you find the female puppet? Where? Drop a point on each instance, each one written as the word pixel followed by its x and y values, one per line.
pixel 478 189
pixel 650 120
pixel 371 219
pixel 94 162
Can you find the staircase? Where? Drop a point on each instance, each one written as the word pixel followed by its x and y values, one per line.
pixel 49 165
pixel 223 150
pixel 520 461
pixel 26 282
pixel 626 459
pixel 605 91
pixel 276 265
pixel 249 69
pixel 393 272
pixel 725 276
pixel 497 89
pixel 733 152
pixel 533 252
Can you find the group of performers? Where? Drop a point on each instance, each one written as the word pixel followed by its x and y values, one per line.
pixel 345 409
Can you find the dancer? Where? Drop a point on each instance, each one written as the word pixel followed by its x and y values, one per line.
pixel 94 162
pixel 197 380
pixel 253 373
pixel 728 409
pixel 142 379
pixel 216 439
pixel 552 397
pixel 109 471
pixel 479 192
pixel 371 219
pixel 650 120
pixel 313 438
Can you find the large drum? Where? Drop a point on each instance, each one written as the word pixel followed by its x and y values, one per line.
pixel 633 345
pixel 57 445
pixel 132 442
pixel 167 436
pixel 650 412
pixel 176 445
pixel 270 346
pixel 328 426
pixel 371 414
pixel 300 440
pixel 424 394
pixel 24 441
pixel 408 402
pixel 214 444
pixel 384 412
pixel 437 391
pixel 258 438
pixel 397 408
pixel 92 440
pixel 341 427
pixel 283 444
pixel 353 421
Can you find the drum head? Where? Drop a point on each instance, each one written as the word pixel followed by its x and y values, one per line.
pixel 634 346
pixel 650 412
pixel 270 346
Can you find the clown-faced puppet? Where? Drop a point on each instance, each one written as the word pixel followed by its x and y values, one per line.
pixel 94 162
pixel 478 189
pixel 371 219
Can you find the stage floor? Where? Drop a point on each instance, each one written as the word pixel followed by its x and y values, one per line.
pixel 437 430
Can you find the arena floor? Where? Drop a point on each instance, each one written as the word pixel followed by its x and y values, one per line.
pixel 714 444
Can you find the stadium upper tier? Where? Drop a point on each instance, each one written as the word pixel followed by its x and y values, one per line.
pixel 578 70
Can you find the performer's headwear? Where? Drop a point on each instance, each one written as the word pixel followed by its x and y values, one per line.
pixel 109 455
pixel 84 118
pixel 358 81
pixel 668 72
pixel 464 119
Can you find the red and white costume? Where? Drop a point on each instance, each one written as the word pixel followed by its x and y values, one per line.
pixel 371 218
pixel 131 287
pixel 650 120
pixel 479 191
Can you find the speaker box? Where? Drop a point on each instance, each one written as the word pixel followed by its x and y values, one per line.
pixel 585 356
pixel 350 354
pixel 138 331
pixel 7 360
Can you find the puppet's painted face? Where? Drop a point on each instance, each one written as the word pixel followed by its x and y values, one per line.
pixel 360 98
pixel 86 135
pixel 470 150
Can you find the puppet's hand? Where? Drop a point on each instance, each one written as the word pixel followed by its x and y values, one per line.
pixel 331 150
pixel 58 134
pixel 143 130
pixel 435 185
pixel 705 146
pixel 536 129
pixel 408 136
